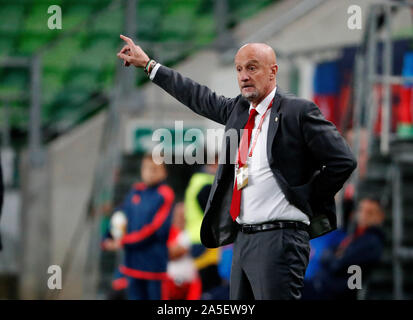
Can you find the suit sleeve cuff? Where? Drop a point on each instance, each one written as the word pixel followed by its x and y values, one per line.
pixel 154 70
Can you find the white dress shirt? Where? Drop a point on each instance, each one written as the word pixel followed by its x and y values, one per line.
pixel 154 70
pixel 262 200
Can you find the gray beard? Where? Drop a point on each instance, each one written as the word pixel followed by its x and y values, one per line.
pixel 250 96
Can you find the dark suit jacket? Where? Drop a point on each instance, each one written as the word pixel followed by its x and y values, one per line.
pixel 308 156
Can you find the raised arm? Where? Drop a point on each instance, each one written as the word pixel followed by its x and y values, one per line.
pixel 198 98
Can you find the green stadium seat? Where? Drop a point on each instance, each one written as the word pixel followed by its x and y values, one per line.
pixel 36 18
pixel 109 22
pixel 6 45
pixel 62 55
pixel 11 17
pixel 95 55
pixel 76 14
pixel 52 84
pixel 30 42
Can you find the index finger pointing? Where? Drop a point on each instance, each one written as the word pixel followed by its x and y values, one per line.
pixel 128 40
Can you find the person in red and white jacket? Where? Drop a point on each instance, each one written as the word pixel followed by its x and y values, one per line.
pixel 183 281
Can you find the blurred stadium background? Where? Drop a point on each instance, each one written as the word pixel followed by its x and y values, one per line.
pixel 75 123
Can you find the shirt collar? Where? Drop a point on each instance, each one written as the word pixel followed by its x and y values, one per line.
pixel 262 106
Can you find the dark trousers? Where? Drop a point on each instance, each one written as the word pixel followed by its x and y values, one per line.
pixel 269 265
pixel 140 289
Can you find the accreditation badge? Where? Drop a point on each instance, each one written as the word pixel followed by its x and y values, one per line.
pixel 242 177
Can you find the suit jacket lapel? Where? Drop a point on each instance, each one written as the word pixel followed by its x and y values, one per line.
pixel 238 122
pixel 275 117
pixel 242 116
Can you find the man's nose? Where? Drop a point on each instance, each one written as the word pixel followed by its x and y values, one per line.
pixel 244 76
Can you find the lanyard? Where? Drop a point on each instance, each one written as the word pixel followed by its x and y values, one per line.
pixel 256 133
pixel 259 129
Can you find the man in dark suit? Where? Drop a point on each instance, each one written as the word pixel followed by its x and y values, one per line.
pixel 289 163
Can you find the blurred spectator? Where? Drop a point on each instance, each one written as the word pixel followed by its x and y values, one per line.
pixel 119 286
pixel 362 248
pixel 183 282
pixel 331 239
pixel 196 197
pixel 224 266
pixel 147 208
pixel 318 246
pixel 348 205
pixel 221 292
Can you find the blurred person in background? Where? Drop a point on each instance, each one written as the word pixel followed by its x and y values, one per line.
pixel 363 248
pixel 221 292
pixel 148 210
pixel 183 282
pixel 348 201
pixel 318 246
pixel 275 198
pixel 196 197
pixel 119 286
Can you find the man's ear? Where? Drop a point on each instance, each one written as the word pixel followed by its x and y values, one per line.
pixel 274 70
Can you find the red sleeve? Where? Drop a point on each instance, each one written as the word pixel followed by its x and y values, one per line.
pixel 159 218
pixel 173 235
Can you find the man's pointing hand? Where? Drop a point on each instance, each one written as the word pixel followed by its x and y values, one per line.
pixel 132 54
